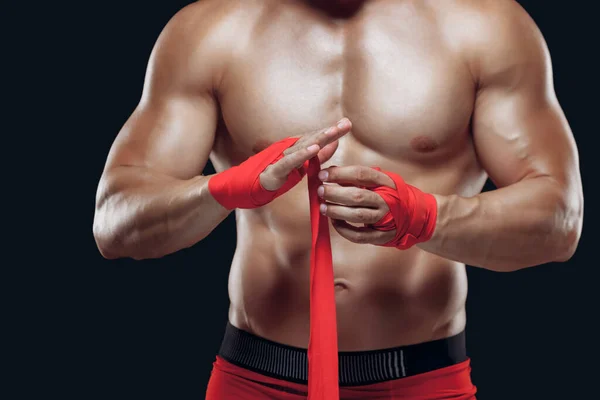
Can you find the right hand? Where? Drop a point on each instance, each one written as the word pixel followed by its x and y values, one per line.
pixel 322 143
pixel 275 170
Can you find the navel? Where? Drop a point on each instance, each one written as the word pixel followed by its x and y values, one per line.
pixel 340 284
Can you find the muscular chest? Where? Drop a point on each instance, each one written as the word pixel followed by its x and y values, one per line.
pixel 406 93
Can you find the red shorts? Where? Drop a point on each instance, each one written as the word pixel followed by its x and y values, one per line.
pixel 230 382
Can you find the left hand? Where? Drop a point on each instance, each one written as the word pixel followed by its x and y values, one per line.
pixel 346 198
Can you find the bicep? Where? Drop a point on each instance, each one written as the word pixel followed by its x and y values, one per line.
pixel 169 135
pixel 519 135
pixel 519 128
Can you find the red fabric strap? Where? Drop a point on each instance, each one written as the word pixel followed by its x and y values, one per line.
pixel 323 383
pixel 412 213
pixel 239 186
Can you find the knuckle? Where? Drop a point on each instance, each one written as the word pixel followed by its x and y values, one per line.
pixel 362 175
pixel 319 132
pixel 361 215
pixel 357 196
pixel 295 149
pixel 294 158
pixel 285 161
pixel 373 217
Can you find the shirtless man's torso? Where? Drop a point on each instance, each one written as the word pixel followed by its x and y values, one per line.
pixel 443 93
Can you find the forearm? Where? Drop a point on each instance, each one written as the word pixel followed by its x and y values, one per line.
pixel 529 223
pixel 141 214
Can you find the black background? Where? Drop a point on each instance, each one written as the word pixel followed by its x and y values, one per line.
pixel 92 328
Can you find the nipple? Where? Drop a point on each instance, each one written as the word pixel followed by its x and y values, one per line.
pixel 424 144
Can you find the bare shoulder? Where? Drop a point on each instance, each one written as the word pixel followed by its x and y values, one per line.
pixel 199 27
pixel 206 16
pixel 199 40
pixel 496 36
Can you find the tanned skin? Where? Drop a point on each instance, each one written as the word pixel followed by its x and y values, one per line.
pixel 444 93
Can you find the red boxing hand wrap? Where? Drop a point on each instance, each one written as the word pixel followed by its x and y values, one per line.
pixel 412 213
pixel 239 186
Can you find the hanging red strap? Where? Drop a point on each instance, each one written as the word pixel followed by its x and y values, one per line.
pixel 323 383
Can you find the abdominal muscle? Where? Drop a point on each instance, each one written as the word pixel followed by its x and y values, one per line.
pixel 385 297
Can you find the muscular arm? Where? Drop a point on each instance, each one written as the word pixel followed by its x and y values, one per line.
pixel 151 199
pixel 525 144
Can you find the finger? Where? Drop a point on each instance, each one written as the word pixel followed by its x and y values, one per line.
pixel 350 196
pixel 352 214
pixel 356 175
pixel 327 152
pixel 285 165
pixel 322 137
pixel 332 134
pixel 362 234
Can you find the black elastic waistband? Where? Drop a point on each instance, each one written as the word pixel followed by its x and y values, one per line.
pixel 355 368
